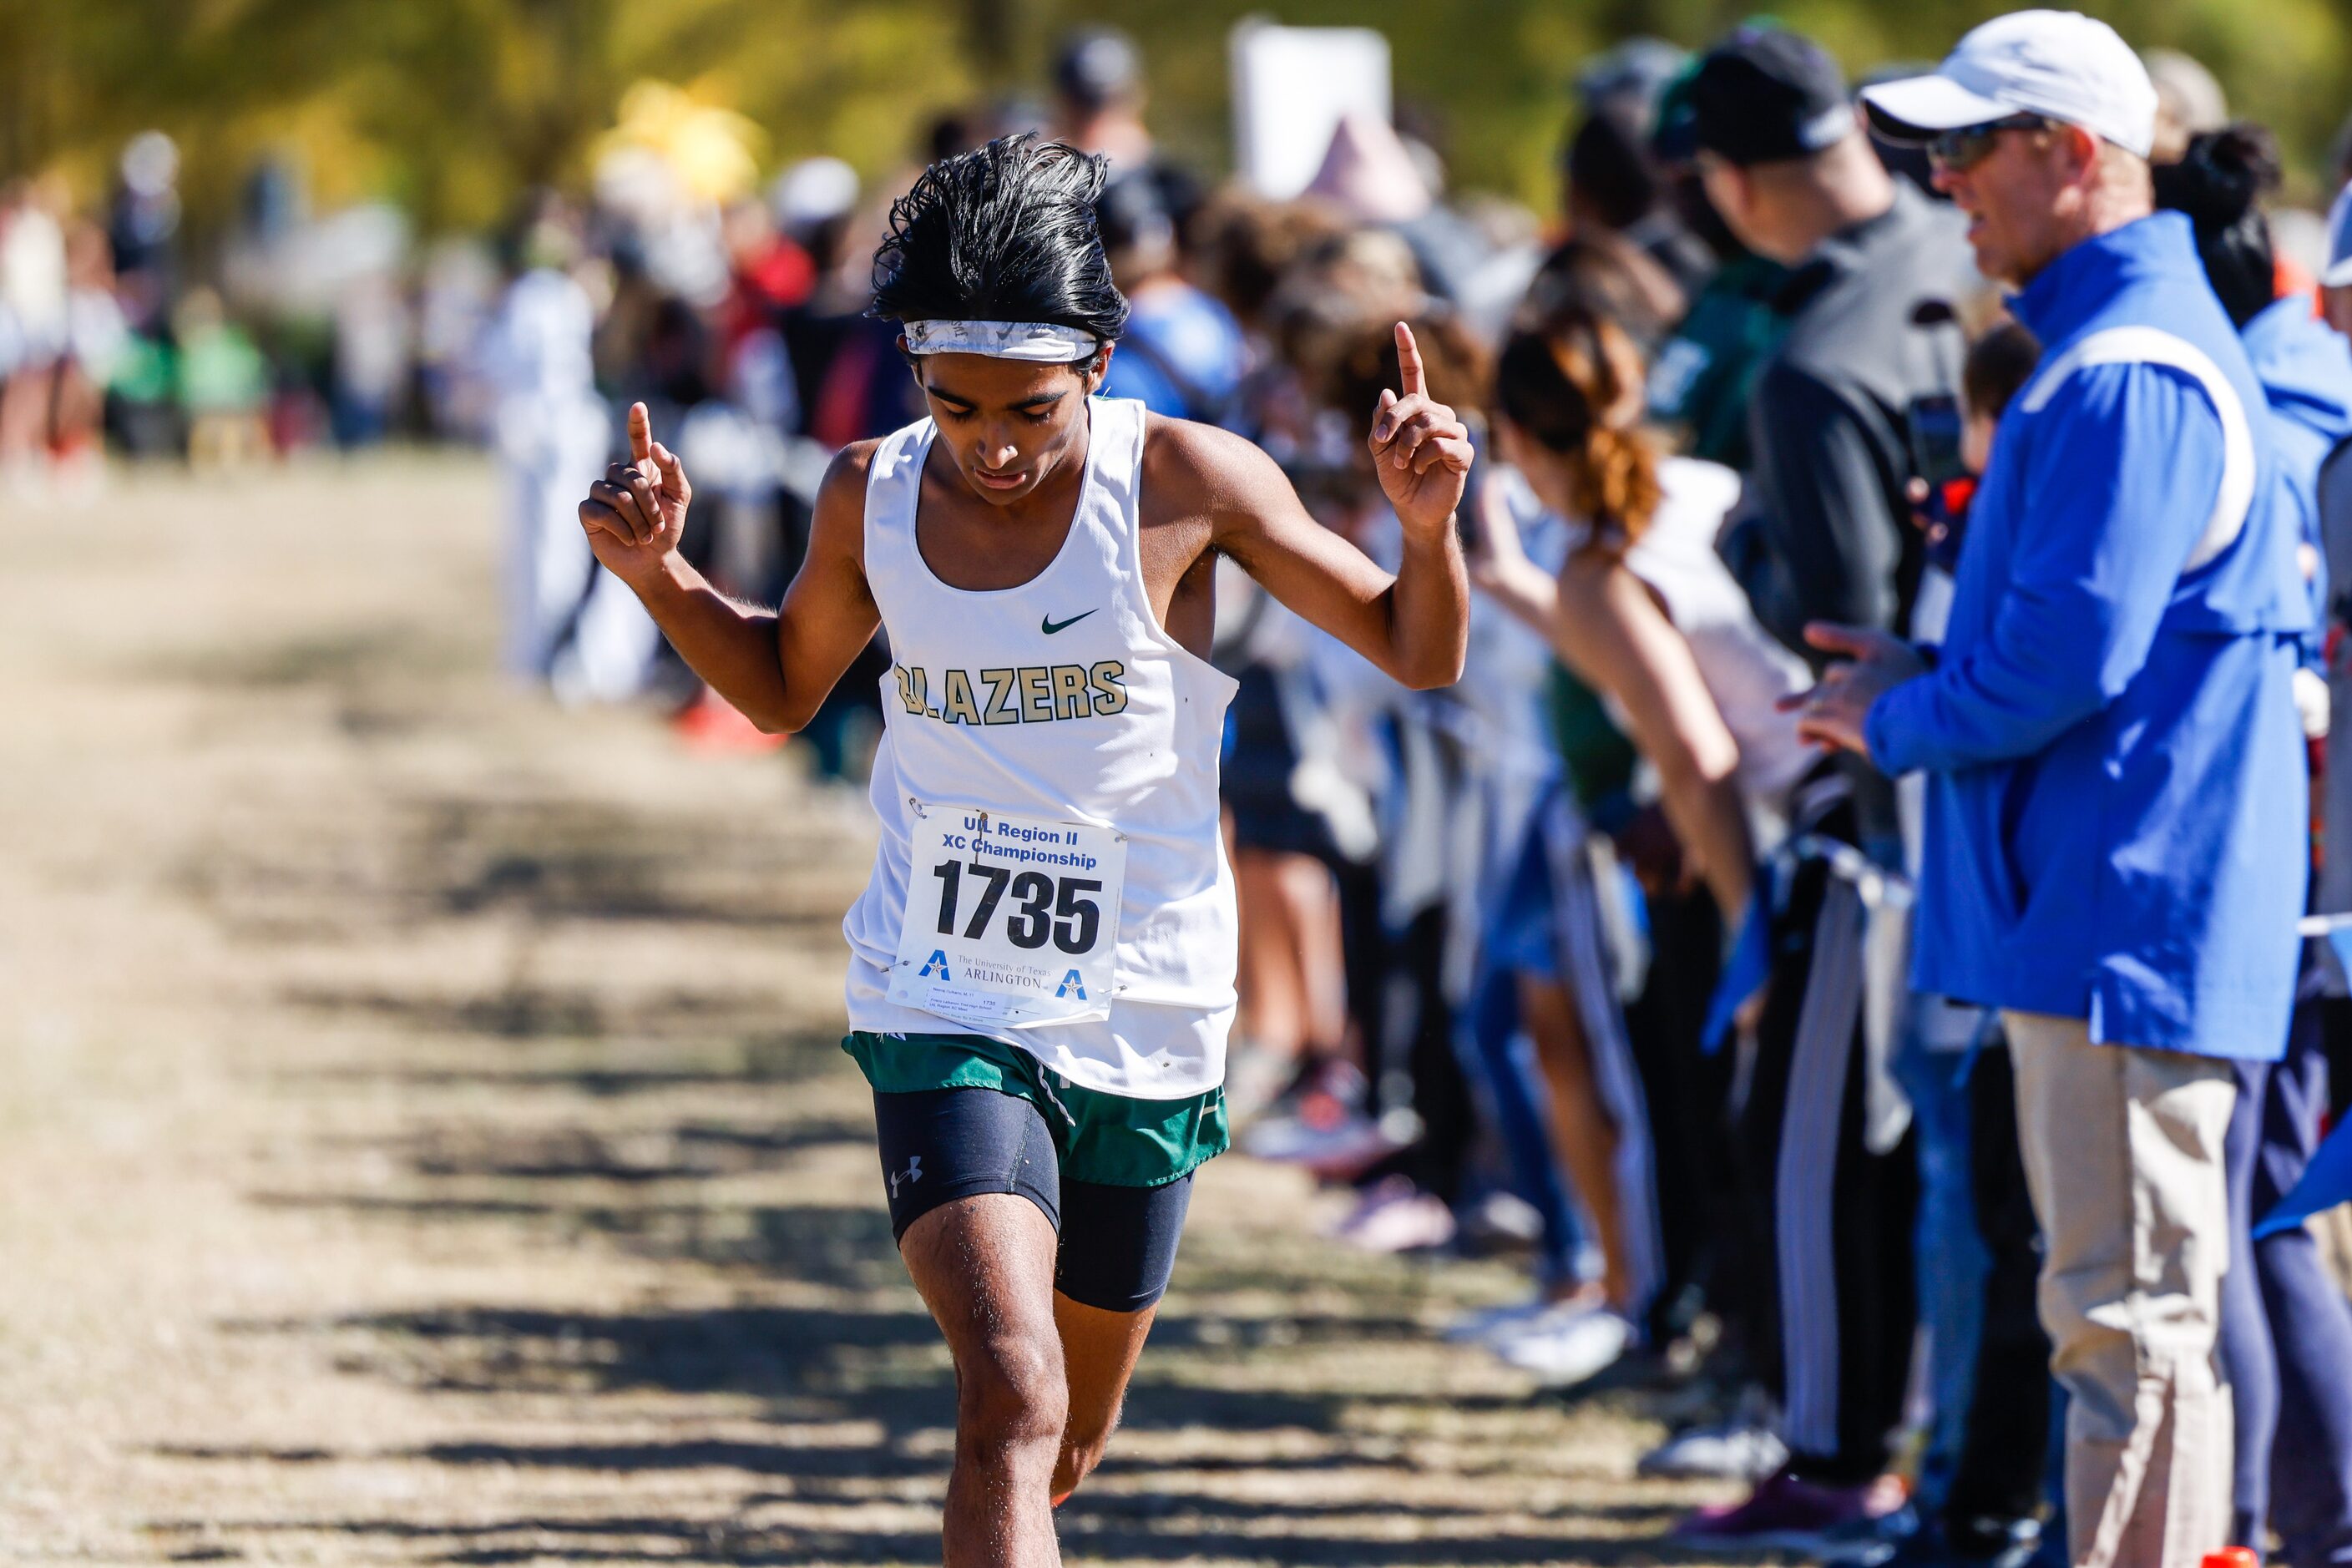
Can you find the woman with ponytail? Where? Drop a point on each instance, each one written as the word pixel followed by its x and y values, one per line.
pixel 2305 368
pixel 1643 610
pixel 1800 1233
pixel 1642 1146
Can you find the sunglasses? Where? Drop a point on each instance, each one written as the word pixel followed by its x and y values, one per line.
pixel 1972 144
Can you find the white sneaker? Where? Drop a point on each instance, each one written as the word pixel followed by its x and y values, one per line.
pixel 1485 1324
pixel 1739 1449
pixel 1571 1344
pixel 1502 1221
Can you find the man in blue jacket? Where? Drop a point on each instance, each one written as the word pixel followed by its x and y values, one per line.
pixel 2114 839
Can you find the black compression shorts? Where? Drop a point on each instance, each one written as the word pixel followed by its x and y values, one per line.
pixel 1117 1244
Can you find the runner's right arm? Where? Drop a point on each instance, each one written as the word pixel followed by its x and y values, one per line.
pixel 775 668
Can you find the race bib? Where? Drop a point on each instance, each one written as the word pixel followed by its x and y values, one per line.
pixel 1010 921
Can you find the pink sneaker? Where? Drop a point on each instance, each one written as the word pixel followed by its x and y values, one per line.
pixel 1394 1215
pixel 1785 1514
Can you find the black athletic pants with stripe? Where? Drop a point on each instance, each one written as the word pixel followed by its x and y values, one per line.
pixel 1837 1220
pixel 1687 1091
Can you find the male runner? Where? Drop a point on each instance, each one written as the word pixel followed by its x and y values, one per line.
pixel 1040 975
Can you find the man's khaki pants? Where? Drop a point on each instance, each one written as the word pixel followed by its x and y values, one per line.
pixel 2123 1156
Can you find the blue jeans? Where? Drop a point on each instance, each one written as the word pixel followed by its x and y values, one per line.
pixel 2286 1328
pixel 1951 1257
pixel 1497 1053
pixel 1502 1059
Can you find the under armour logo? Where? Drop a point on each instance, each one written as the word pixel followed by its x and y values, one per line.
pixel 910 1175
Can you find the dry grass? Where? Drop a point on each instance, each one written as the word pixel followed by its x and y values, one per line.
pixel 422 1136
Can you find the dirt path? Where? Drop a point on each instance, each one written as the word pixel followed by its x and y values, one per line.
pixel 423 1137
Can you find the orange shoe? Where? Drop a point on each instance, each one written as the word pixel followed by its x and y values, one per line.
pixel 710 723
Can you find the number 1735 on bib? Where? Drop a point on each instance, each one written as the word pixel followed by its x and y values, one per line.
pixel 1009 922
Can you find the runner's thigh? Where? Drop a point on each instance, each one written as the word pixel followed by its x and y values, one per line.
pixel 1119 1244
pixel 941 1144
pixel 975 1191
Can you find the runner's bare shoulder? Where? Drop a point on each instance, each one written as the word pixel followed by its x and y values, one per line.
pixel 838 524
pixel 1207 471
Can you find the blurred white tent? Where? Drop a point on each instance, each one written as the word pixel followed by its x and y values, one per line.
pixel 1367 173
pixel 1292 88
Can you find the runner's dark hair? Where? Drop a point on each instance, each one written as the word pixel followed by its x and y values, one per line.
pixel 1005 232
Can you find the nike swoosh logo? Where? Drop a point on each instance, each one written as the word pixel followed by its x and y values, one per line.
pixel 1049 625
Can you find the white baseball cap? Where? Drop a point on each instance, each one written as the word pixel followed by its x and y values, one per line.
pixel 2062 64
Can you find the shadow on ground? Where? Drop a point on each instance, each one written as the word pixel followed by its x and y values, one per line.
pixel 772 1391
pixel 1234 1448
pixel 854 1404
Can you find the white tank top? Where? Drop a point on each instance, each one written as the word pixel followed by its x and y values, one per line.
pixel 1061 699
pixel 1746 668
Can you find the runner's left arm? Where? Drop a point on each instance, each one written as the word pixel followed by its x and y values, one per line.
pixel 1414 626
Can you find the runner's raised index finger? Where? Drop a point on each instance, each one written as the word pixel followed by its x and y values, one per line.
pixel 641 433
pixel 1408 362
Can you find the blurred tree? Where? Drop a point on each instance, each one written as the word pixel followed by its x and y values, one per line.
pixel 451 107
pixel 1495 73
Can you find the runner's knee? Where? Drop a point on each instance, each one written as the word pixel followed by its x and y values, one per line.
pixel 1012 1391
pixel 1081 1452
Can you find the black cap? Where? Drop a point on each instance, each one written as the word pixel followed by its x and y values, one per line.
pixel 1766 95
pixel 1673 131
pixel 1132 210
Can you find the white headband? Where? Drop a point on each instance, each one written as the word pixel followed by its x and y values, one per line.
pixel 1040 341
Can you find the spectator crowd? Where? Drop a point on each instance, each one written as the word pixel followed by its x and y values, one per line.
pixel 1857 927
